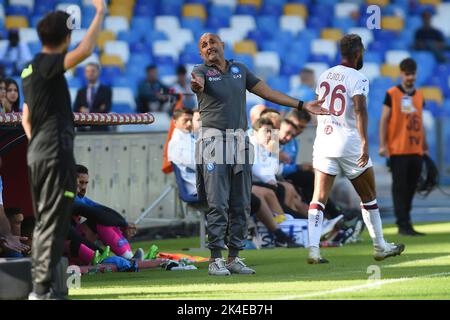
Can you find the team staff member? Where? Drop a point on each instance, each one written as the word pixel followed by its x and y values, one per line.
pixel 48 124
pixel 221 87
pixel 402 139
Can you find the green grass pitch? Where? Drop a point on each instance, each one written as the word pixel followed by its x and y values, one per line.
pixel 422 272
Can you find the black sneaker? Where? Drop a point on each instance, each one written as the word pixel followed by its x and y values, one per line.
pixel 409 232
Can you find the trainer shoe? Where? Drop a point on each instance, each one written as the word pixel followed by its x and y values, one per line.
pixel 238 266
pixel 328 225
pixel 390 250
pixel 314 256
pixel 217 268
pixel 138 255
pixel 409 232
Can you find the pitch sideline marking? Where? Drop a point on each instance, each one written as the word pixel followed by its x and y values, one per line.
pixel 361 287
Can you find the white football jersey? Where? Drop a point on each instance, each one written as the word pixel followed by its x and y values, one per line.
pixel 337 134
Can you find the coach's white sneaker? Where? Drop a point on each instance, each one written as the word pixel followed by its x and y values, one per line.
pixel 390 250
pixel 238 266
pixel 314 256
pixel 217 268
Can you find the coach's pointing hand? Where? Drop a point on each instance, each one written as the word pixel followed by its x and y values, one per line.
pixel 197 83
pixel 315 107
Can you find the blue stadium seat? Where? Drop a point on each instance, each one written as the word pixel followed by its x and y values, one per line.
pixel 129 36
pixel 166 8
pixel 190 58
pixel 272 9
pixel 378 46
pixel 268 25
pixel 317 22
pixel 203 2
pixel 285 38
pixel 182 191
pixel 194 24
pixel 140 47
pixel 373 56
pixel 435 109
pixel 164 60
pixel 142 59
pixel 217 22
pixel 343 23
pixel 141 25
pixel 145 9
pixel 279 83
pixel 34 47
pixel 86 18
pixel 74 82
pixel 153 36
pixel 426 63
pixel 309 34
pixel 385 36
pixel 245 59
pixel 274 45
pixel 17 11
pixel 259 37
pixel 125 81
pixel 223 12
pixel 288 69
pixel 166 70
pixel 246 9
pixel 110 72
pixel 320 58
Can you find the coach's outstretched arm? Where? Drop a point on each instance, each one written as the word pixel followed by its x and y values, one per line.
pixel 264 91
pixel 87 45
pixel 359 102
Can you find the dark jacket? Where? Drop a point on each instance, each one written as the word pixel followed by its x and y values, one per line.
pixel 102 96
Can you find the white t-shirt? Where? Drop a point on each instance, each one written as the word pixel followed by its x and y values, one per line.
pixel 181 151
pixel 265 166
pixel 337 134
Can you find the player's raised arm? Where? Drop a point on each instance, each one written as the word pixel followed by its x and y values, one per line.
pixel 360 105
pixel 264 91
pixel 87 45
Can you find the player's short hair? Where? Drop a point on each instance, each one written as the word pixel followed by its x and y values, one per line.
pixel 289 122
pixel 179 112
pixel 408 65
pixel 53 29
pixel 10 212
pixel 151 67
pixel 262 122
pixel 300 115
pixel 268 110
pixel 82 169
pixel 350 44
pixel 181 69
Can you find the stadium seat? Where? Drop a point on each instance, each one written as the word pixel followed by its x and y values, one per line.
pixel 121 108
pixel 229 3
pixel 432 94
pixel 118 48
pixel 325 47
pixel 194 10
pixel 18 10
pixel 345 9
pixel 167 24
pixel 27 3
pixel 380 3
pixel 129 36
pixel 243 22
pixel 394 57
pixel 245 47
pixel 116 24
pixel 293 24
pixel 433 2
pixel 165 48
pixel 393 23
pixel 255 3
pixel 28 35
pixel 147 9
pixel 16 22
pixel 121 11
pixel 130 3
pixel 331 34
pixel 391 71
pixel 371 70
pixel 111 60
pixel 295 9
pixel 245 59
pixel 267 64
pixel 77 36
pixel 317 67
pixel 231 36
pixel 104 36
pixel 123 95
pixel 279 83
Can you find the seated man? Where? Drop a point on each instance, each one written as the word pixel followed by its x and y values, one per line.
pixel 181 148
pixel 266 167
pixel 102 222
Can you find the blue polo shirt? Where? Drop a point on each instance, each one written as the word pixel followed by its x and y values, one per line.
pixel 291 149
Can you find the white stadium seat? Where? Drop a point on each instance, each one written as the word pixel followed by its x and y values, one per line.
pixel 93 58
pixel 244 23
pixel 118 48
pixel 253 99
pixel 181 38
pixel 371 70
pixel 116 24
pixel 292 24
pixel 63 6
pixel 28 35
pixel 294 81
pixel 229 3
pixel 394 57
pixel 317 67
pixel 365 34
pixel 167 24
pixel 441 23
pixel 324 47
pixel 123 95
pixel 165 48
pixel 169 80
pixel 27 3
pixel 230 36
pixel 77 36
pixel 267 64
pixel 73 93
pixel 345 9
pixel 443 9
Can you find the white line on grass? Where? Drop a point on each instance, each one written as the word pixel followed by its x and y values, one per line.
pixel 361 287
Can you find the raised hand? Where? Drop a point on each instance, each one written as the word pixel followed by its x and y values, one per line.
pixel 197 83
pixel 315 107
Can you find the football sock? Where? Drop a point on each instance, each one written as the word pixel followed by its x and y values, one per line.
pixel 114 238
pixel 315 220
pixel 372 219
